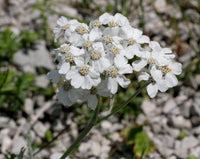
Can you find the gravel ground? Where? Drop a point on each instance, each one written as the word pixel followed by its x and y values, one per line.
pixel 168 116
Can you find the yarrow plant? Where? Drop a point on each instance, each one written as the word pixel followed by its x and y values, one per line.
pixel 94 60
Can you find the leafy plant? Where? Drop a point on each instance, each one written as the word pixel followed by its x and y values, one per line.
pixel 13 90
pixel 11 155
pixel 136 136
pixel 192 157
pixel 9 44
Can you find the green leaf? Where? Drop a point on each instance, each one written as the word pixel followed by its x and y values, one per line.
pixel 137 137
pixel 192 157
pixel 48 135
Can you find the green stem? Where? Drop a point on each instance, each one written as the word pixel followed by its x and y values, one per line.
pixel 83 133
pixel 117 109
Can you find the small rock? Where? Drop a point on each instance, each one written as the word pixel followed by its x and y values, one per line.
pixel 106 124
pixel 115 137
pixel 40 129
pixel 3 121
pixel 195 152
pixel 57 155
pixel 148 107
pixel 167 140
pixel 173 132
pixel 42 81
pixel 18 144
pixel 5 143
pixel 169 106
pixel 189 142
pixel 180 150
pixel 161 5
pixel 28 106
pixel 180 122
pixel 185 110
pixel 34 58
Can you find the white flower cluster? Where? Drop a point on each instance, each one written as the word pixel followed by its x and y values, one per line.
pixel 95 59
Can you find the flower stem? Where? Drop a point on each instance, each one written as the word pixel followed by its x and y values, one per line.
pixel 84 132
pixel 117 109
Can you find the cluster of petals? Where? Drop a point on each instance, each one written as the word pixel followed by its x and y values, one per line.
pixel 95 59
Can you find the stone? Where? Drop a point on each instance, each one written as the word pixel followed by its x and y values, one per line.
pixel 141 119
pixel 115 137
pixel 3 121
pixel 42 81
pixel 18 144
pixel 180 122
pixel 197 78
pixel 57 155
pixel 40 129
pixel 185 108
pixel 6 142
pixel 180 150
pixel 189 142
pixel 169 106
pixel 167 140
pixel 35 58
pixel 161 5
pixel 173 132
pixel 106 124
pixel 28 106
pixel 148 107
pixel 195 151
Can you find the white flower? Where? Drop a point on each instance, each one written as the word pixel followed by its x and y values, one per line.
pixel 158 83
pixel 64 24
pixel 67 95
pixel 133 35
pixel 68 55
pixel 158 56
pixel 98 58
pixel 170 70
pixel 76 37
pixel 91 95
pixel 116 75
pixel 113 21
pixel 83 75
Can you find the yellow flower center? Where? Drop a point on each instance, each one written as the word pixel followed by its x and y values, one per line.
pixel 95 55
pixel 151 61
pixel 97 23
pixel 65 49
pixel 84 70
pixel 115 50
pixel 66 26
pixel 93 90
pixel 67 85
pixel 131 41
pixel 112 24
pixel 88 44
pixel 69 58
pixel 113 72
pixel 81 30
pixel 166 69
pixel 108 39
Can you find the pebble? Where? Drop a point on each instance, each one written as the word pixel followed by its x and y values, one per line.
pixel 42 81
pixel 180 122
pixel 28 106
pixel 40 129
pixel 148 107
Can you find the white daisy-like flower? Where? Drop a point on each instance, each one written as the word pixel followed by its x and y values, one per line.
pixel 68 55
pixel 67 94
pixel 113 21
pixel 83 75
pixel 98 59
pixel 132 35
pixel 158 56
pixel 63 24
pixel 158 83
pixel 170 71
pixel 91 95
pixel 116 75
pixel 76 37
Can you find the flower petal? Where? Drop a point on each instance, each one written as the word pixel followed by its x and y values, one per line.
pixel 152 90
pixel 139 64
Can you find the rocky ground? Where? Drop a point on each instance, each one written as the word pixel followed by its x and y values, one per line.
pixel 173 121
